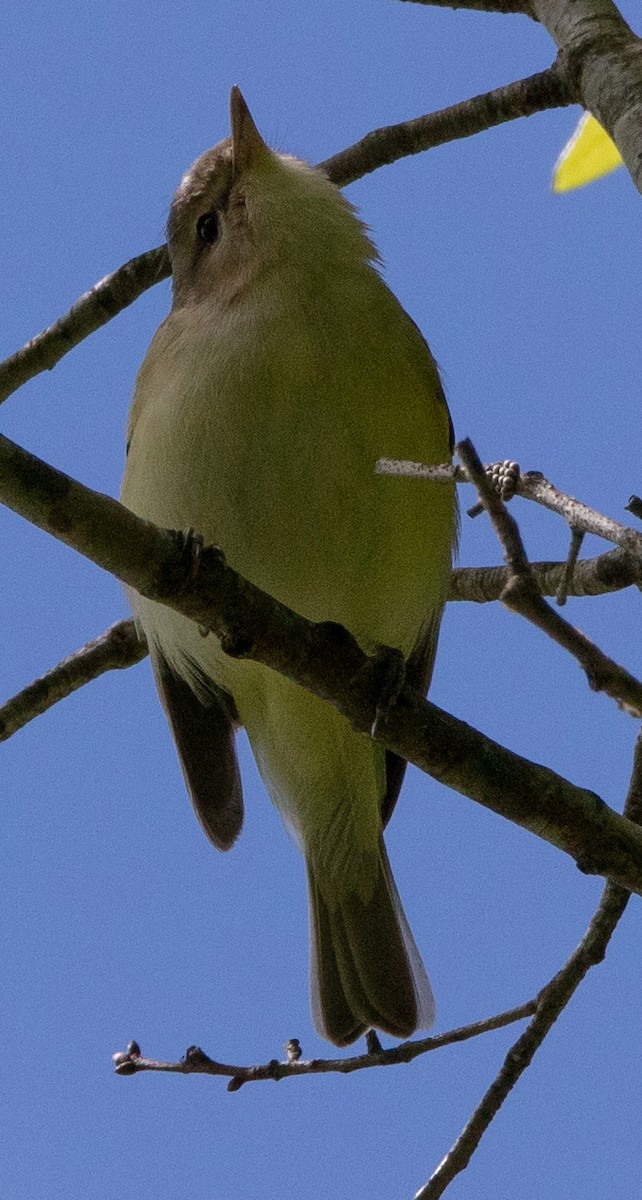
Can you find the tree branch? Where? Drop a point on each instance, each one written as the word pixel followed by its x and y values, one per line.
pixel 553 999
pixel 119 289
pixel 530 485
pixel 326 660
pixel 121 647
pixel 550 1003
pixel 521 595
pixel 547 89
pixel 131 1062
pixel 603 59
pixel 103 301
pixel 116 648
pixel 495 6
pixel 598 576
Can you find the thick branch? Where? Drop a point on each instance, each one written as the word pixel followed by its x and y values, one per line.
pixel 325 659
pixel 121 647
pixel 603 58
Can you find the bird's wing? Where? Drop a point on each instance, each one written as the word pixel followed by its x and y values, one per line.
pixel 203 728
pixel 418 673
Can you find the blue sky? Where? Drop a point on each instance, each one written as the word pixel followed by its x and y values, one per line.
pixel 119 919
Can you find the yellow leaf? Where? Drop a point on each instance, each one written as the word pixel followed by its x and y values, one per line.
pixel 588 154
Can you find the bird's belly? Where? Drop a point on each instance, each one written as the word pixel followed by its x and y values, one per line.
pixel 274 462
pixel 299 510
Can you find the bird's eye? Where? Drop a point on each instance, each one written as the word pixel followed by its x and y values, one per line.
pixel 207 228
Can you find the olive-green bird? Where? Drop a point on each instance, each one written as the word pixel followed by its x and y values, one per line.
pixel 284 370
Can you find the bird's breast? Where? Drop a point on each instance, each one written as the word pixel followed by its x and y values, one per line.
pixel 262 434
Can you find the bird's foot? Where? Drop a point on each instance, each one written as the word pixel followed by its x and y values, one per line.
pixel 388 667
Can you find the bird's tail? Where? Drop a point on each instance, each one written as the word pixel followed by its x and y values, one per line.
pixel 366 969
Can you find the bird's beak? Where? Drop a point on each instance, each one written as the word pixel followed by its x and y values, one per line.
pixel 248 147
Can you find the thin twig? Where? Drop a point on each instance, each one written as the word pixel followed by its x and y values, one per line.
pixel 534 486
pixel 598 576
pixel 550 1003
pixel 547 89
pixel 530 485
pixel 119 647
pixel 554 999
pixel 521 594
pixel 130 1062
pixel 103 301
pixel 495 6
pixel 566 582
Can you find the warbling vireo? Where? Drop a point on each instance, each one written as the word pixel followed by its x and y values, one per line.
pixel 284 370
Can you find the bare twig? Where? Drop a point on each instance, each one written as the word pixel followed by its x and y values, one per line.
pixel 550 1003
pixel 530 485
pixel 130 1062
pixel 553 1000
pixel 566 582
pixel 634 506
pixel 118 647
pixel 496 6
pixel 598 576
pixel 102 302
pixel 547 89
pixel 534 486
pixel 521 594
